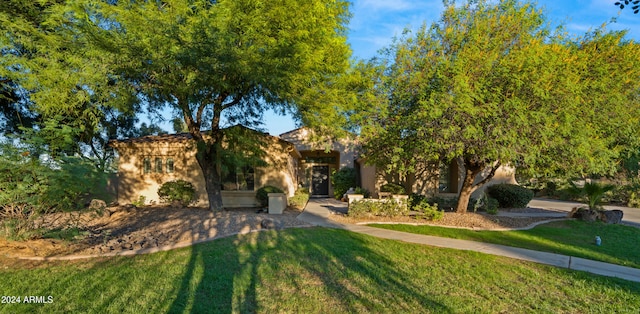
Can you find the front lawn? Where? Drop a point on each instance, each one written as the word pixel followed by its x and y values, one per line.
pixel 568 237
pixel 313 270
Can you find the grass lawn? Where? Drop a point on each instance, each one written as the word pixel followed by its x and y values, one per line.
pixel 313 270
pixel 568 237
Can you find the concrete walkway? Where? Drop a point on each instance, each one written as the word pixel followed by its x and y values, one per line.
pixel 317 213
pixel 631 216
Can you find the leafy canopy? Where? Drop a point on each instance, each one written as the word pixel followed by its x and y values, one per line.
pixel 491 84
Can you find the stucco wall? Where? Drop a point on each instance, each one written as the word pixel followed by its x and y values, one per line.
pixel 133 182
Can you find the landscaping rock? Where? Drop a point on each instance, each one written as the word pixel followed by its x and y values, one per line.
pixel 268 224
pixel 611 216
pixel 584 214
pixel 97 204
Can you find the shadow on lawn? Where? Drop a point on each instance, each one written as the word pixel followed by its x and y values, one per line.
pixel 296 271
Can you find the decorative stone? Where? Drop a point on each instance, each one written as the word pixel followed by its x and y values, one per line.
pixel 611 216
pixel 584 214
pixel 97 204
pixel 268 224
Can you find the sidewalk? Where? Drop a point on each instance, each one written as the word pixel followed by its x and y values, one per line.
pixel 317 213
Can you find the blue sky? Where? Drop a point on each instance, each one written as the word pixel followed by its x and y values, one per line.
pixel 375 22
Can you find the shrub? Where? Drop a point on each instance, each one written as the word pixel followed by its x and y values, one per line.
pixel 363 191
pixel 510 195
pixel 428 211
pixel 342 180
pixel 179 191
pixel 415 199
pixel 384 208
pixel 263 194
pixel 490 205
pixel 299 198
pixel 393 188
pixel 140 201
pixel 591 191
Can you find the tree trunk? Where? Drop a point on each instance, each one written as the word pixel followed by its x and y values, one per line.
pixel 472 168
pixel 467 188
pixel 208 161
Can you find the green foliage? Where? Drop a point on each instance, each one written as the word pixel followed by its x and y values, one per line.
pixel 426 210
pixel 415 199
pixel 204 59
pixel 31 185
pixel 19 229
pixel 299 198
pixel 363 191
pixel 383 208
pixel 490 205
pixel 262 195
pixel 179 191
pixel 393 188
pixel 592 192
pixel 490 82
pixel 342 180
pixel 66 234
pixel 140 202
pixel 510 195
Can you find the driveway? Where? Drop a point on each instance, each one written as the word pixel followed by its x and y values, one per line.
pixel 631 215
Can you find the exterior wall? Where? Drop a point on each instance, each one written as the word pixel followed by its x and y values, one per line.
pixel 344 150
pixel 133 182
pixel 426 180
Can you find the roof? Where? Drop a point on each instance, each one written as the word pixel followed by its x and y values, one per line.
pixel 164 138
pixel 183 137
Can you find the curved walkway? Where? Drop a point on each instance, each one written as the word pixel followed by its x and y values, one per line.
pixel 317 213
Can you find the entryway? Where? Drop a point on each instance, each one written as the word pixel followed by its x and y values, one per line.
pixel 320 181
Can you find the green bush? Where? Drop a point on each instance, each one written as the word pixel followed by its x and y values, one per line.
pixel 179 191
pixel 393 188
pixel 263 194
pixel 299 198
pixel 510 195
pixel 29 185
pixel 384 208
pixel 415 199
pixel 342 180
pixel 490 205
pixel 428 211
pixel 363 191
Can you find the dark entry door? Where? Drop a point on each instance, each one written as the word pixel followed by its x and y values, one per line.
pixel 320 180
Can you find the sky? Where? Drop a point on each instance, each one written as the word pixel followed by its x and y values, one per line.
pixel 374 23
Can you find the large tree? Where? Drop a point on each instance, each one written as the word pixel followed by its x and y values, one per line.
pixel 208 61
pixel 491 85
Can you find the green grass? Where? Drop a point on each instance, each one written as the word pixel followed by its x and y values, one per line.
pixel 312 271
pixel 568 237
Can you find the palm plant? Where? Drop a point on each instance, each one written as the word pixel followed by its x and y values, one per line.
pixel 592 192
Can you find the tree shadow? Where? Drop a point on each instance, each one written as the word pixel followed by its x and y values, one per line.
pixel 259 271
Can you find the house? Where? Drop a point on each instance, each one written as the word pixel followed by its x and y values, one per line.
pixel 292 161
pixel 145 163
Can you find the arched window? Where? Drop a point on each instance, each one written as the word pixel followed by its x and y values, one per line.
pixel 158 168
pixel 169 165
pixel 147 165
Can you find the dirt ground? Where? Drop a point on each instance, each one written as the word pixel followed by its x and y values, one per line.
pixel 121 229
pixel 127 229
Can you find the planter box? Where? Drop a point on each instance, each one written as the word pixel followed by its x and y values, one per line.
pixel 354 197
pixel 277 203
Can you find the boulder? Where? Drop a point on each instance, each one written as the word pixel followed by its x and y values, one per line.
pixel 611 216
pixel 584 214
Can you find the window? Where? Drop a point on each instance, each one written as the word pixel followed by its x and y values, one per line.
pixel 239 179
pixel 147 165
pixel 158 168
pixel 169 165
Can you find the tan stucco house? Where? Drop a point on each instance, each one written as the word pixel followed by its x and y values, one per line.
pixel 292 160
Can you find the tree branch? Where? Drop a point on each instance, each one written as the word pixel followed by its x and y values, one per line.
pixel 489 176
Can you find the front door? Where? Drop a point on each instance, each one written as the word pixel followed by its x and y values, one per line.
pixel 320 180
